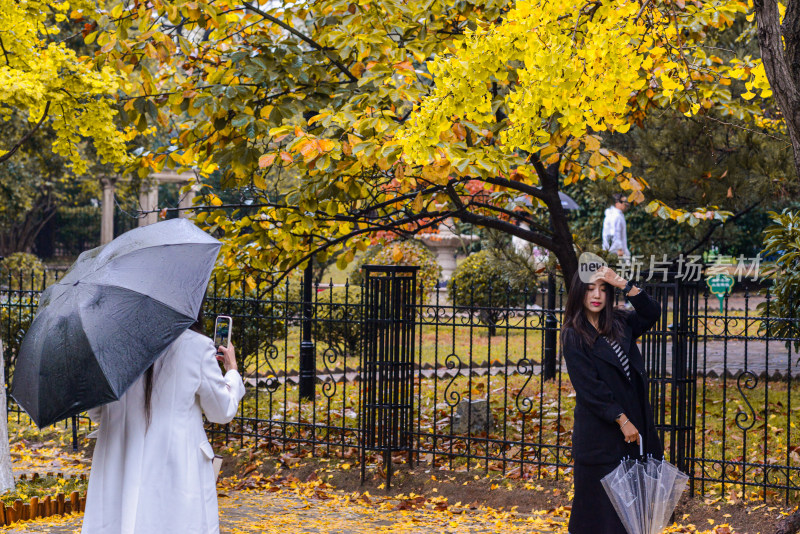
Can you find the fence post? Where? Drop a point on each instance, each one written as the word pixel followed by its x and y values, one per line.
pixel 308 365
pixel 550 330
pixel 74 433
pixel 386 410
pixel 684 374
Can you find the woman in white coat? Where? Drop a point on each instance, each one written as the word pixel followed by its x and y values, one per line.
pixel 152 466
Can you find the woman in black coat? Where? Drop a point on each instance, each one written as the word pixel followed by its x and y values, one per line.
pixel 612 412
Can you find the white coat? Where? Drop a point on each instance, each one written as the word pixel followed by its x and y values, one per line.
pixel 148 480
pixel 615 232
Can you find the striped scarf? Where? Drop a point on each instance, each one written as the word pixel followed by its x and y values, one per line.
pixel 623 358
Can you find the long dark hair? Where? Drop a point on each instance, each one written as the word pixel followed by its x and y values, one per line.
pixel 148 375
pixel 610 322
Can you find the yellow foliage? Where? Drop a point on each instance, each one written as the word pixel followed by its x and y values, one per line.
pixel 41 75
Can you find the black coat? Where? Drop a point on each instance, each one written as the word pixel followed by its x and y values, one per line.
pixel 603 391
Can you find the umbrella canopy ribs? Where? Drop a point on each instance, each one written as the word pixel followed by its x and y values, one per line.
pixel 110 317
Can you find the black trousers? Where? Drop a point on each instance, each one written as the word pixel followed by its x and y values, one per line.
pixel 592 511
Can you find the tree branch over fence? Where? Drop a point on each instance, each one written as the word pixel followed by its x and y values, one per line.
pixel 27 136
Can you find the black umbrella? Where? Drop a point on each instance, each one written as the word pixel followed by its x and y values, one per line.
pixel 110 317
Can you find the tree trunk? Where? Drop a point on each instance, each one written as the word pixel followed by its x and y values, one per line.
pixel 790 525
pixel 6 476
pixel 782 63
pixel 563 248
pixel 780 53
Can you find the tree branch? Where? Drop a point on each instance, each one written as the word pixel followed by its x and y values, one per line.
pixel 27 136
pixel 517 186
pixel 5 52
pixel 324 246
pixel 462 212
pixel 641 11
pixel 303 38
pixel 716 225
pixel 511 214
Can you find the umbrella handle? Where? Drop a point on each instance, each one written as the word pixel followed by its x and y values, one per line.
pixel 641 446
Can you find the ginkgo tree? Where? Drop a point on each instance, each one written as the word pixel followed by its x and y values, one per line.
pixel 42 77
pixel 342 119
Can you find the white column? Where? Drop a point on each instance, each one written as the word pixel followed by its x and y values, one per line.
pixel 187 201
pixel 446 257
pixel 6 475
pixel 107 217
pixel 148 199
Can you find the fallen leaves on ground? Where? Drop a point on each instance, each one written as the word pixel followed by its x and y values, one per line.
pixel 256 503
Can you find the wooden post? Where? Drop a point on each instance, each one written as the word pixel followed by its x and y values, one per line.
pixel 3 514
pixel 18 509
pixel 83 504
pixel 75 500
pixel 67 508
pixel 34 507
pixel 60 504
pixel 48 506
pixel 26 511
pixel 11 515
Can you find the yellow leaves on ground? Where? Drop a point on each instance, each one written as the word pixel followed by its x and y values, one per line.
pixel 253 503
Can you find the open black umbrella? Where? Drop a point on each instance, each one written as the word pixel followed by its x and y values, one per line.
pixel 110 317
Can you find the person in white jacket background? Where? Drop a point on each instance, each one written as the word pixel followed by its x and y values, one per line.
pixel 152 465
pixel 615 234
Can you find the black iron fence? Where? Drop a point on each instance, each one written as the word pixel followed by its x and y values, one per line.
pixel 724 380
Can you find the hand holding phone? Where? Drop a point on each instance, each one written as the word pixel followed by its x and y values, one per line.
pixel 222 340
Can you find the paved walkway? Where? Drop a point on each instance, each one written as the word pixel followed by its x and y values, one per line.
pixel 306 509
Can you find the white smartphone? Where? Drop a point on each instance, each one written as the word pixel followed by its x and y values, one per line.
pixel 222 331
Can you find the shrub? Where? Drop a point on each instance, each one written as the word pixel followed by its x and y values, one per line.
pixel 482 285
pixel 408 252
pixel 338 321
pixel 368 258
pixel 782 239
pixel 16 315
pixel 22 271
pixel 22 277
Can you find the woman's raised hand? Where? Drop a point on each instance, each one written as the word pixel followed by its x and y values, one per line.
pixel 607 275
